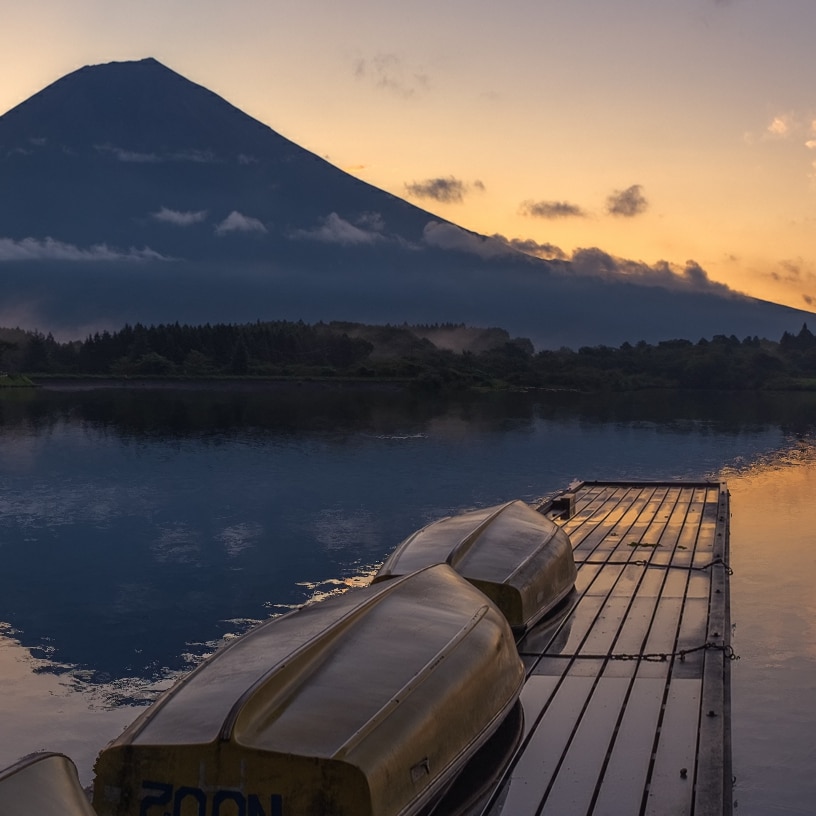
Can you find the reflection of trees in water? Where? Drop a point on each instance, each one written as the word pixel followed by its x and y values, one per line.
pixel 283 408
pixel 215 410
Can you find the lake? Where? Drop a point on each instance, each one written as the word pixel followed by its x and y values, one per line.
pixel 141 527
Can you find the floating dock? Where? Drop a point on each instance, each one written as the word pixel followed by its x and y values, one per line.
pixel 627 695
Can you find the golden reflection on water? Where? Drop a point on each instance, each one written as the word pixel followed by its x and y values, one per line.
pixel 43 702
pixel 41 710
pixel 773 609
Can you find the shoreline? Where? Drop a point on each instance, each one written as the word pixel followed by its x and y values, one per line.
pixel 90 383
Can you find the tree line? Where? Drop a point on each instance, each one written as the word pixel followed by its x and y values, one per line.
pixel 488 358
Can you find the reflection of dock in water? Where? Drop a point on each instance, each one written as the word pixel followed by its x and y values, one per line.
pixel 627 697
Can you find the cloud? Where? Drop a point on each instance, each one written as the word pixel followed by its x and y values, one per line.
pixel 451 237
pixel 627 203
pixel 596 263
pixel 336 230
pixel 783 127
pixel 125 155
pixel 197 156
pixel 798 274
pixel 528 246
pixel 181 218
pixel 237 222
pixel 389 72
pixel 780 126
pixel 551 209
pixel 129 155
pixel 448 190
pixel 32 249
pixel 371 221
pixel 791 272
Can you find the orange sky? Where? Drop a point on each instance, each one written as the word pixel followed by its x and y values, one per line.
pixel 652 130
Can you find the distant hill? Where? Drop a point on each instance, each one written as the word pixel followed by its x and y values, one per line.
pixel 128 193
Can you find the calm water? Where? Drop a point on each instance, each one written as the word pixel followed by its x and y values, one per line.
pixel 139 528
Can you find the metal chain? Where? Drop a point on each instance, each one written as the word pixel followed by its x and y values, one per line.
pixel 659 657
pixel 642 562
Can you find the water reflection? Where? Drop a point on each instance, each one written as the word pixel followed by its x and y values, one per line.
pixel 141 528
pixel 209 411
pixel 774 612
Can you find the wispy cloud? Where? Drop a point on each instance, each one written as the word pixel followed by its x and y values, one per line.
pixel 795 128
pixel 784 126
pixel 447 190
pixel 180 218
pixel 390 73
pixel 451 237
pixel 627 203
pixel 371 221
pixel 124 155
pixel 789 271
pixel 797 273
pixel 528 246
pixel 336 230
pixel 237 222
pixel 134 156
pixel 781 126
pixel 551 209
pixel 47 249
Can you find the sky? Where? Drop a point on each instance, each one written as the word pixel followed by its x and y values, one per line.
pixel 659 131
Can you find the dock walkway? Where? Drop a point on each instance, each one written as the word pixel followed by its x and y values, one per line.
pixel 627 698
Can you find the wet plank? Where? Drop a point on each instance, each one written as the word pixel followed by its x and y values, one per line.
pixel 627 701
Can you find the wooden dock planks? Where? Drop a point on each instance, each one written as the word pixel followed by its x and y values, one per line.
pixel 627 703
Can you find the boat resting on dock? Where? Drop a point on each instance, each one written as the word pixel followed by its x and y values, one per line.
pixel 367 703
pixel 517 557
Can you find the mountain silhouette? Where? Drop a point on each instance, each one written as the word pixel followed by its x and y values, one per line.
pixel 129 193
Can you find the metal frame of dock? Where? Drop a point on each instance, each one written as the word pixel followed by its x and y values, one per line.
pixel 627 698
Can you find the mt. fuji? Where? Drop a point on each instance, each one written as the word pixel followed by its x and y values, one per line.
pixel 129 193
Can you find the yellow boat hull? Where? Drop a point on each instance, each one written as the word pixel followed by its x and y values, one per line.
pixel 364 705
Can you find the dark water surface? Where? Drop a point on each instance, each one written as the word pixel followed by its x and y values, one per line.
pixel 141 527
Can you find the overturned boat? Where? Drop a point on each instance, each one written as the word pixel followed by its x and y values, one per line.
pixel 517 557
pixel 44 784
pixel 368 703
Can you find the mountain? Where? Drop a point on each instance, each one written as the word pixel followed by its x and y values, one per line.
pixel 129 193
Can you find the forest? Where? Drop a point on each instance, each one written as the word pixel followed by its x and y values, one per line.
pixel 435 356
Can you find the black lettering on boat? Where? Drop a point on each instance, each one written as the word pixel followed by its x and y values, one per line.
pixel 163 798
pixel 189 801
pixel 185 793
